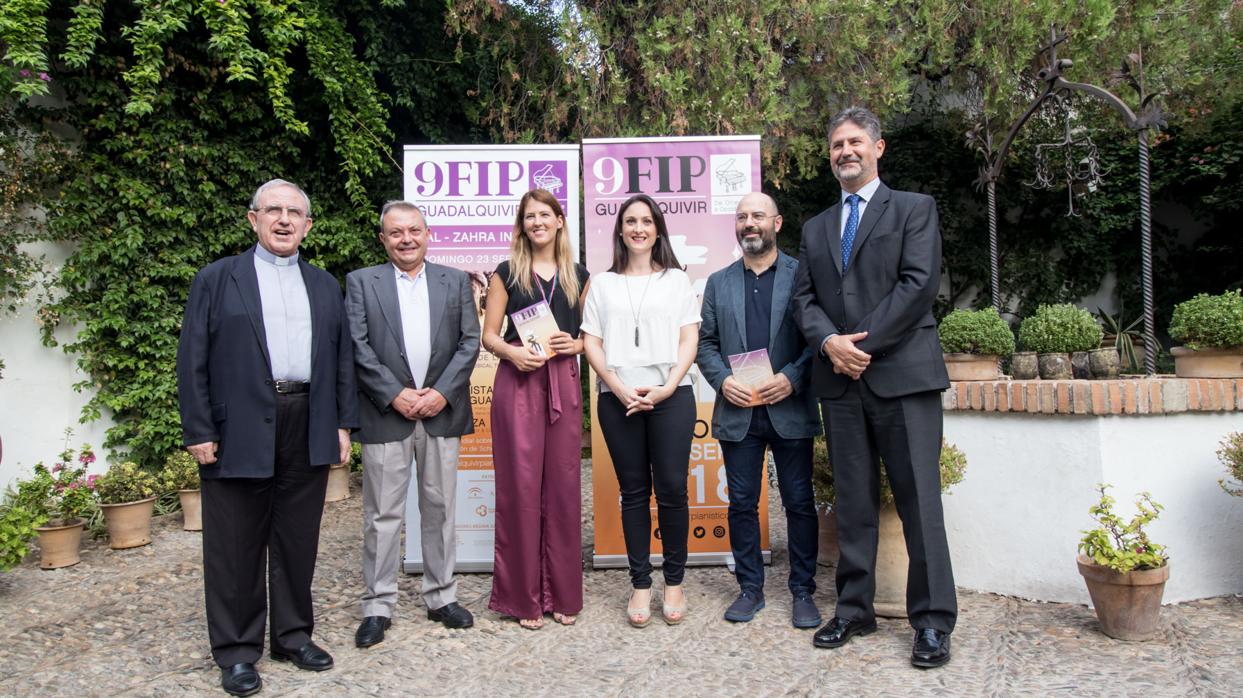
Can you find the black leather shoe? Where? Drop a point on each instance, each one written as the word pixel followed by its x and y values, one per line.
pixel 240 679
pixel 932 648
pixel 838 632
pixel 452 615
pixel 744 608
pixel 371 631
pixel 310 656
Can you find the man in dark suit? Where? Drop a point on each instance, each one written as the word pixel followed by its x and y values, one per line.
pixel 869 271
pixel 747 308
pixel 416 339
pixel 265 378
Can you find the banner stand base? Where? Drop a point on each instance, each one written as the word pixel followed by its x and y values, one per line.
pixel 462 567
pixel 604 562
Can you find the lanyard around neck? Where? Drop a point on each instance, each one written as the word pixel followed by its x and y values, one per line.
pixel 539 283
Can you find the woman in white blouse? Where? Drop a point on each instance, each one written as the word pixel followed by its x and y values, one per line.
pixel 640 333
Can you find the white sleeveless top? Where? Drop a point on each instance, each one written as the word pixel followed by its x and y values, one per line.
pixel 663 302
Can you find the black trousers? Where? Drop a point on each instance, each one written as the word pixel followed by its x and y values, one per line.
pixel 651 451
pixel 257 525
pixel 904 432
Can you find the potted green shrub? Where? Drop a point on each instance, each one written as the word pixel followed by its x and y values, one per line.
pixel 891 558
pixel 1231 456
pixel 1124 570
pixel 1210 330
pixel 127 497
pixel 1054 332
pixel 181 475
pixel 974 343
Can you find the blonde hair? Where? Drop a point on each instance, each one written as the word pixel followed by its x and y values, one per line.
pixel 520 253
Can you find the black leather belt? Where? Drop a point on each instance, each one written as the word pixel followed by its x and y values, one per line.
pixel 289 387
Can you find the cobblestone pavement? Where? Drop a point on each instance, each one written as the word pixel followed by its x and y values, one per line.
pixel 131 623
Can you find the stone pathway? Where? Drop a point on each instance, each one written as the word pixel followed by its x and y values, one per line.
pixel 131 623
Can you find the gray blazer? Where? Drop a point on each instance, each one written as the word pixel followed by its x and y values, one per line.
pixel 724 332
pixel 380 350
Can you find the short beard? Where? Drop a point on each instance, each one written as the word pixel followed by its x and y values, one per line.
pixel 756 246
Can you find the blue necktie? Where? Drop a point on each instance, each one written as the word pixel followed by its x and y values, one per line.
pixel 852 226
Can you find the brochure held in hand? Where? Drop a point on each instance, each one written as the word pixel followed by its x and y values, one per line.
pixel 752 369
pixel 535 325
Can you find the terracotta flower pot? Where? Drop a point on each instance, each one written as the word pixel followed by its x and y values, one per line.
pixel 1127 605
pixel 129 524
pixel 1055 366
pixel 972 367
pixel 191 509
pixel 1208 363
pixel 1024 366
pixel 827 554
pixel 59 545
pixel 338 483
pixel 891 559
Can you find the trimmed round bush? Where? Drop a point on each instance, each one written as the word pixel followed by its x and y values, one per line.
pixel 976 332
pixel 1060 328
pixel 1209 321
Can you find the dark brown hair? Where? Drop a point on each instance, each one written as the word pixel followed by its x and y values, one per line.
pixel 662 251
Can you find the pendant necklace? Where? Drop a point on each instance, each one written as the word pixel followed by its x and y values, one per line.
pixel 630 299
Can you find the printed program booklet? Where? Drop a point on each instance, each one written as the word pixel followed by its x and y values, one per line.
pixel 752 369
pixel 535 324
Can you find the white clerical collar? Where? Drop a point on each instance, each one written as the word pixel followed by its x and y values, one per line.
pixel 866 192
pixel 263 253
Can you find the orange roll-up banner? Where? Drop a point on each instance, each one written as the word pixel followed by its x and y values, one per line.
pixel 697 182
pixel 469 195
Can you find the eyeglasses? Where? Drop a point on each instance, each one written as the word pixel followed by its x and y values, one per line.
pixel 758 217
pixel 293 213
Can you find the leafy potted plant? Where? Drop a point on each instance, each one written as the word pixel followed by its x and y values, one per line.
pixel 1231 455
pixel 55 504
pixel 127 497
pixel 974 343
pixel 1124 570
pixel 891 558
pixel 1210 329
pixel 1126 339
pixel 1054 332
pixel 181 475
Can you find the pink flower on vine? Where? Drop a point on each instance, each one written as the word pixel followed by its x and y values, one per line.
pixel 87 457
pixel 24 73
pixel 90 480
pixel 45 77
pixel 57 467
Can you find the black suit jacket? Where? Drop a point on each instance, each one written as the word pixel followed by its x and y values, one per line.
pixel 380 350
pixel 888 291
pixel 224 374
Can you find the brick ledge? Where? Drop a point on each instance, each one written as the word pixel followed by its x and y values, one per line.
pixel 1125 396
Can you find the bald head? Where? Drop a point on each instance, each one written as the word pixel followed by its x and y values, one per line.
pixel 756 223
pixel 758 201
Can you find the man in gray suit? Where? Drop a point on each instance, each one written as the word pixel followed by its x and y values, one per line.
pixel 416 338
pixel 869 271
pixel 746 308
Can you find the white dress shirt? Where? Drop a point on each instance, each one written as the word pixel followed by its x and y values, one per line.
pixel 416 321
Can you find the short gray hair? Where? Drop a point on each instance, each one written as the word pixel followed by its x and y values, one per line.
pixel 400 205
pixel 272 184
pixel 859 116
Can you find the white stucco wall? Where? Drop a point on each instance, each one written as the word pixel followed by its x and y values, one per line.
pixel 1014 523
pixel 37 399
